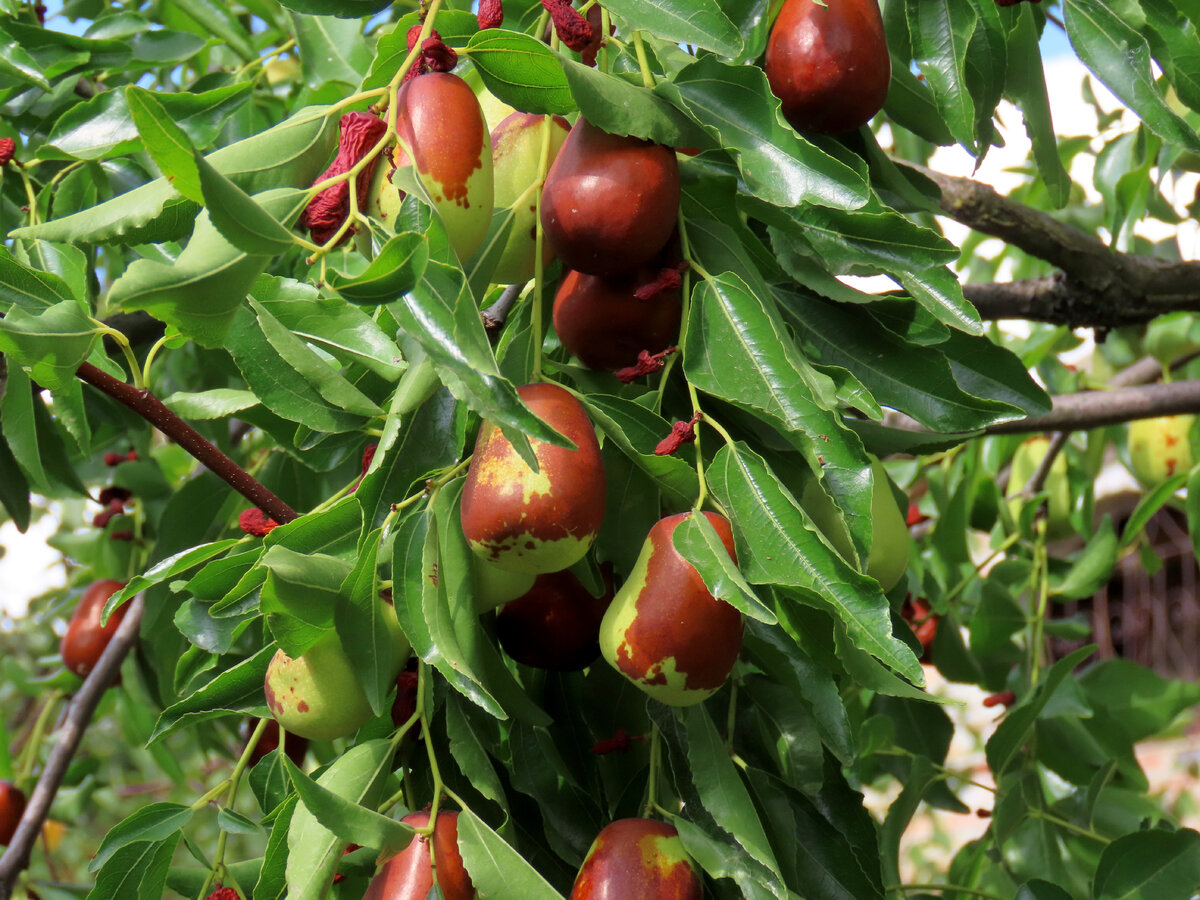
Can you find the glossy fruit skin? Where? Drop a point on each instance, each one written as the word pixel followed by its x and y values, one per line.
pixel 495 586
pixel 409 876
pixel 556 625
pixel 1160 448
pixel 296 747
pixel 1025 463
pixel 610 203
pixel 664 631
pixel 829 65
pixel 542 521
pixel 600 320
pixel 12 807
pixel 440 120
pixel 86 639
pixel 316 695
pixel 516 160
pixel 637 859
pixel 888 559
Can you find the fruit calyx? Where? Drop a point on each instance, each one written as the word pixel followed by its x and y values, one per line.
pixel 681 433
pixel 572 28
pixel 490 15
pixel 647 364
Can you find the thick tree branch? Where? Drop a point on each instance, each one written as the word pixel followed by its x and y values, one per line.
pixel 1095 409
pixel 153 411
pixel 79 715
pixel 1095 286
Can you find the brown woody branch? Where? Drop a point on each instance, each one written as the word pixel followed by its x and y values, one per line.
pixel 153 411
pixel 1095 285
pixel 1095 409
pixel 79 714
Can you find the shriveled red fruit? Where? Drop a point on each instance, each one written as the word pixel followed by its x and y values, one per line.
pixel 542 521
pixel 829 65
pixel 664 631
pixel 610 203
pixel 600 320
pixel 12 807
pixel 268 742
pixel 637 859
pixel 440 121
pixel 409 875
pixel 223 893
pixel 86 639
pixel 556 625
pixel 324 215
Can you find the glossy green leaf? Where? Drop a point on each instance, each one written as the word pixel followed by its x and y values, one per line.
pixel 496 868
pixel 1162 864
pixel 941 31
pixel 393 272
pixel 702 23
pixel 218 19
pixel 155 822
pixel 331 49
pixel 237 690
pixel 620 106
pixel 137 871
pixel 1094 566
pixel 1027 87
pixel 698 543
pixel 51 344
pixel 521 70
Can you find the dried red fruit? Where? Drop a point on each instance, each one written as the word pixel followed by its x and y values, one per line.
pixel 224 893
pixel 256 522
pixel 325 213
pixel 114 495
pixel 1005 698
pixel 668 280
pixel 594 17
pixel 436 56
pixel 681 433
pixel 924 623
pixel 648 363
pixel 491 14
pixel 8 148
pixel 573 29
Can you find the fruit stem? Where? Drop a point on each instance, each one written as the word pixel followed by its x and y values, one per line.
pixel 150 354
pixel 263 60
pixel 29 752
pixel 1069 826
pixel 605 37
pixel 643 61
pixel 974 573
pixel 539 239
pixel 135 370
pixel 655 763
pixel 1042 576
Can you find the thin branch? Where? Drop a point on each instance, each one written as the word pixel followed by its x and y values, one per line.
pixel 153 411
pixel 496 315
pixel 1042 472
pixel 1095 285
pixel 79 715
pixel 1095 409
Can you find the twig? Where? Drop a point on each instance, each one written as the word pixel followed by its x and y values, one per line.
pixel 153 411
pixel 1095 409
pixel 79 715
pixel 1042 472
pixel 496 315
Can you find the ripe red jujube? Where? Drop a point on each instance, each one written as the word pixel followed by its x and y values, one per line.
pixel 86 639
pixel 637 859
pixel 409 875
pixel 610 203
pixel 540 521
pixel 600 320
pixel 12 807
pixel 556 625
pixel 829 65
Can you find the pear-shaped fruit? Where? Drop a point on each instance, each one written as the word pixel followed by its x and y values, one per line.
pixel 12 807
pixel 600 320
pixel 610 203
pixel 1160 448
pixel 664 631
pixel 888 560
pixel 828 63
pixel 516 162
pixel 86 639
pixel 1025 464
pixel 555 625
pixel 409 875
pixel 637 859
pixel 439 120
pixel 542 521
pixel 495 586
pixel 317 695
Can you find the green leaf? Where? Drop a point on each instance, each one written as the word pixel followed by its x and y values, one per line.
pixel 394 271
pixel 941 31
pixel 1158 864
pixel 637 431
pixel 1093 567
pixel 217 403
pixel 335 807
pixel 237 690
pixel 782 548
pixel 1142 701
pixel 1148 505
pixel 28 288
pixel 1120 57
pixel 155 822
pixel 331 49
pixel 497 870
pixel 16 61
pixel 379 650
pixel 218 19
pixel 724 858
pixel 165 142
pixel 14 489
pixel 701 23
pixel 698 543
pixel 619 106
pixel 521 70
pixel 735 105
pixel 51 344
pixel 136 871
pixel 272 879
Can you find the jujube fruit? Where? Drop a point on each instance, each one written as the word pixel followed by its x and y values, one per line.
pixel 438 118
pixel 555 625
pixel 495 586
pixel 637 859
pixel 516 162
pixel 409 875
pixel 1160 448
pixel 664 630
pixel 86 638
pixel 12 807
pixel 268 742
pixel 887 560
pixel 602 322
pixel 610 203
pixel 1025 463
pixel 542 521
pixel 829 65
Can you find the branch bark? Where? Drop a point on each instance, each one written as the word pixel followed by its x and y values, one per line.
pixel 153 411
pixel 79 715
pixel 1095 409
pixel 1095 285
